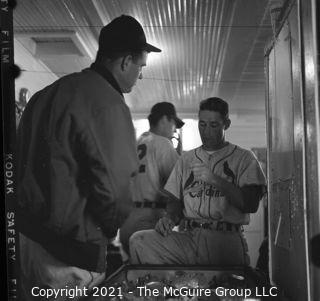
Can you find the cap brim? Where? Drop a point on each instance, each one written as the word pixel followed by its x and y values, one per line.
pixel 179 122
pixel 150 48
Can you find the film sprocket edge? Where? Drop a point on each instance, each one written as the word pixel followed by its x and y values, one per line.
pixel 8 74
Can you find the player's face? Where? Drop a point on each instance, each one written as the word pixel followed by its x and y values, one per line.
pixel 212 128
pixel 133 72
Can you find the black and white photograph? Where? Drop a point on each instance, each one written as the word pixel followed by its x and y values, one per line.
pixel 161 150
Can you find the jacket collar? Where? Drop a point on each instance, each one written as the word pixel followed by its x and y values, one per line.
pixel 107 75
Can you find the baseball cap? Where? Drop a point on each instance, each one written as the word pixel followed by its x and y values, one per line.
pixel 122 34
pixel 166 109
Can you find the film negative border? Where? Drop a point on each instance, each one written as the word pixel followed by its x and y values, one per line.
pixel 8 74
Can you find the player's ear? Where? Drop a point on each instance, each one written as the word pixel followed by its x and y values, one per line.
pixel 227 123
pixel 161 121
pixel 126 61
pixel 164 119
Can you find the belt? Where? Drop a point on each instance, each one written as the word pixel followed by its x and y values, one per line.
pixel 218 226
pixel 149 204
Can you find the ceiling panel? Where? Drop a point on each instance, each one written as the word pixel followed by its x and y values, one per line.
pixel 210 47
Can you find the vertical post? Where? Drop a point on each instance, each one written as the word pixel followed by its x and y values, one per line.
pixel 310 73
pixel 268 130
pixel 8 73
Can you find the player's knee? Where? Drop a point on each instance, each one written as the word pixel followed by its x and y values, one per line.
pixel 136 239
pixel 140 238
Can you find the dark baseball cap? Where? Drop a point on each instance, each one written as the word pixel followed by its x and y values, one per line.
pixel 166 109
pixel 124 33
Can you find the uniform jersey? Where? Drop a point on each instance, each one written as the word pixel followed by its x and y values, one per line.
pixel 204 201
pixel 157 158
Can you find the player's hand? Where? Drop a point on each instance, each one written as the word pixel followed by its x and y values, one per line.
pixel 202 173
pixel 164 226
pixel 184 225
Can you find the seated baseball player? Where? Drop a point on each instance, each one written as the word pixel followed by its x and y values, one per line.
pixel 212 190
pixel 157 158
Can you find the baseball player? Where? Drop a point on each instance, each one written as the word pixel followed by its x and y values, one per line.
pixel 157 158
pixel 212 190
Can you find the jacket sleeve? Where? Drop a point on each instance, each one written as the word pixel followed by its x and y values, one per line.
pixel 97 145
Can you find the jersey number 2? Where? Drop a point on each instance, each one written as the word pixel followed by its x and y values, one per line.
pixel 142 150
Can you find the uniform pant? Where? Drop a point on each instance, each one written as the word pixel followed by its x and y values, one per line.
pixel 139 219
pixel 193 247
pixel 39 269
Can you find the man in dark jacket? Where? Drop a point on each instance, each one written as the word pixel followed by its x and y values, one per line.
pixel 76 156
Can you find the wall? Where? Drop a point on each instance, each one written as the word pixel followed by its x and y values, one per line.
pixel 40 76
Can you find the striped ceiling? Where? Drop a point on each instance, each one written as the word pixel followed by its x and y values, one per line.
pixel 209 47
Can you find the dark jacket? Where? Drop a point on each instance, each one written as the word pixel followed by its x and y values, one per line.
pixel 76 156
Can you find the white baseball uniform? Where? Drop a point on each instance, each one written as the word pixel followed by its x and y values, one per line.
pixel 157 158
pixel 203 203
